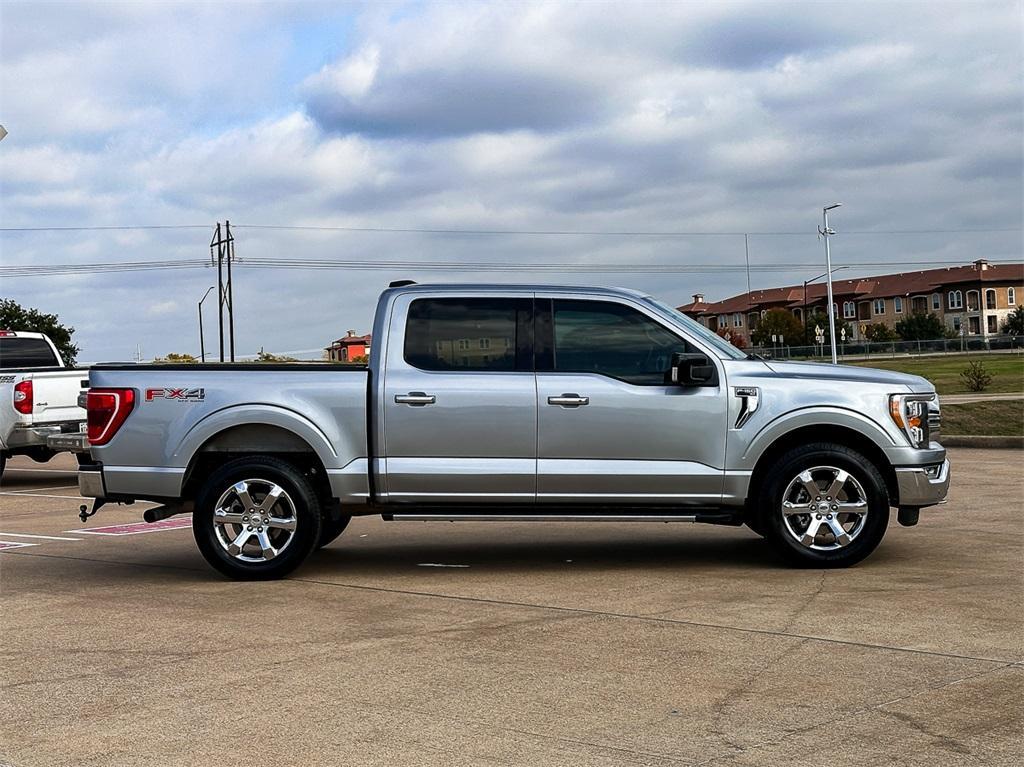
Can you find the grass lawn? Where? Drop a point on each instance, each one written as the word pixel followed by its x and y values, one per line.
pixel 1002 419
pixel 1007 370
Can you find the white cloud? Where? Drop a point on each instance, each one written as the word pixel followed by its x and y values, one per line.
pixel 740 116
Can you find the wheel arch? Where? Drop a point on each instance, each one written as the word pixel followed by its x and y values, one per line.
pixel 844 435
pixel 252 439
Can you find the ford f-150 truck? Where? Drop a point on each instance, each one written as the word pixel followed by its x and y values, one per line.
pixel 518 403
pixel 38 397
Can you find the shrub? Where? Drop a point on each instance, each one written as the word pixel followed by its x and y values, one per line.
pixel 734 338
pixel 878 332
pixel 975 377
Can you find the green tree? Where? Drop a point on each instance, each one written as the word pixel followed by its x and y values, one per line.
pixel 879 331
pixel 1014 323
pixel 268 357
pixel 13 316
pixel 777 322
pixel 921 327
pixel 177 359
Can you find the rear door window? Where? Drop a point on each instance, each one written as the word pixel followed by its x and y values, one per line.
pixel 26 353
pixel 470 334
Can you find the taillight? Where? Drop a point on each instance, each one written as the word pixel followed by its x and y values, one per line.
pixel 23 401
pixel 106 410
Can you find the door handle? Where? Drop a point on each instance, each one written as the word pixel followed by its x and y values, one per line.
pixel 569 400
pixel 416 398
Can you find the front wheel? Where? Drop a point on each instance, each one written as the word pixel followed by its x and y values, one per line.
pixel 824 505
pixel 256 518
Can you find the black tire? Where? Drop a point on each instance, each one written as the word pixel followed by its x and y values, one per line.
pixel 298 499
pixel 865 533
pixel 3 464
pixel 331 528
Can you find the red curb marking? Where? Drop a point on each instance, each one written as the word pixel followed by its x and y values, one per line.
pixel 138 527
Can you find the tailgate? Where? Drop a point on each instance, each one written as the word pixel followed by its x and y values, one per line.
pixel 56 396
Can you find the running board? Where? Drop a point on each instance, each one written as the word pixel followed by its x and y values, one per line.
pixel 404 517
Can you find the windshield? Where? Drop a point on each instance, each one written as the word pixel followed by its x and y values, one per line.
pixel 693 327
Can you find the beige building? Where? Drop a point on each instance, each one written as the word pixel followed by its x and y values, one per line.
pixel 976 297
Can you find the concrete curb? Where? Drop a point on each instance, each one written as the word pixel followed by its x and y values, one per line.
pixel 951 440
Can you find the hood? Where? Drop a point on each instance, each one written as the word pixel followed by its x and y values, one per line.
pixel 851 373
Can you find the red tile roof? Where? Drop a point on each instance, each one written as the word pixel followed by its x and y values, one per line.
pixel 865 288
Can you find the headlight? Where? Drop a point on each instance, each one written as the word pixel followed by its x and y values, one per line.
pixel 910 413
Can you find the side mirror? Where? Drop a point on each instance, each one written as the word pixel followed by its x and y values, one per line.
pixel 691 369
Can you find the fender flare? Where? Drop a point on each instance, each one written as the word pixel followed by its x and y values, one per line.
pixel 219 421
pixel 816 416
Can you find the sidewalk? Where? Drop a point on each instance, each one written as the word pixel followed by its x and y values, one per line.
pixel 963 399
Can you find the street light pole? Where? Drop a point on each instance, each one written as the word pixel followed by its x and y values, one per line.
pixel 202 342
pixel 826 233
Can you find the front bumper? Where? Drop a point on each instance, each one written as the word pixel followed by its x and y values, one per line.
pixel 921 486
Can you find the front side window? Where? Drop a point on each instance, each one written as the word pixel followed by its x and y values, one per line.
pixel 463 334
pixel 613 340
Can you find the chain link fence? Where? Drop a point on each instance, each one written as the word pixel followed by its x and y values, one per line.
pixel 866 350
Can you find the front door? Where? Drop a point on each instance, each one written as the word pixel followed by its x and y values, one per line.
pixel 460 405
pixel 611 428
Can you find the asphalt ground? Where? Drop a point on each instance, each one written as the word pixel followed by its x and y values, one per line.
pixel 514 644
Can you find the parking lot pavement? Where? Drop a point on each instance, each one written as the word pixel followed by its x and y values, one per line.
pixel 553 644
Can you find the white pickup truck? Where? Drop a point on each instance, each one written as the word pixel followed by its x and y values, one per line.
pixel 38 397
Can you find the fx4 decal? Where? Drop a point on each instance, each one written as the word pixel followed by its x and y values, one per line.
pixel 181 395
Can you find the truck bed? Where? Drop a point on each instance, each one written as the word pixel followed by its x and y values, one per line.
pixel 182 410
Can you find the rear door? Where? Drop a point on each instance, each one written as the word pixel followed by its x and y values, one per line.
pixel 459 400
pixel 611 429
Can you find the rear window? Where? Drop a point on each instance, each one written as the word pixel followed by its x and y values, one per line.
pixel 26 353
pixel 463 333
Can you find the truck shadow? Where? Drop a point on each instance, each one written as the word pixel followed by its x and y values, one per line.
pixel 740 550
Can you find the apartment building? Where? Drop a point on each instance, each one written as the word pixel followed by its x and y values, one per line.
pixel 976 298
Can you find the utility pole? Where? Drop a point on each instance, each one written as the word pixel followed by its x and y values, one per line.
pixel 825 232
pixel 222 248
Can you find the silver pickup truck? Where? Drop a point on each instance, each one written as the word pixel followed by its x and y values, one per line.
pixel 518 403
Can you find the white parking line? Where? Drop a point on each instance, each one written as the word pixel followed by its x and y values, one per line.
pixel 41 537
pixel 51 471
pixel 40 495
pixel 37 489
pixel 15 545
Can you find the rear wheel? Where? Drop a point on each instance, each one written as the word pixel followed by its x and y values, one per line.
pixel 824 505
pixel 257 518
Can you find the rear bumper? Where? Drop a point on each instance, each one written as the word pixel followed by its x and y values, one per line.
pixel 90 481
pixel 38 435
pixel 921 486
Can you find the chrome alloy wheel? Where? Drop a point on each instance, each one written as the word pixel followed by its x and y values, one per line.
pixel 254 520
pixel 824 508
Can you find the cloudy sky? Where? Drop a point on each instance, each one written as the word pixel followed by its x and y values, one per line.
pixel 678 118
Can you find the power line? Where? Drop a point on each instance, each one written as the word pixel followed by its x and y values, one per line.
pixel 306 264
pixel 504 232
pixel 100 228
